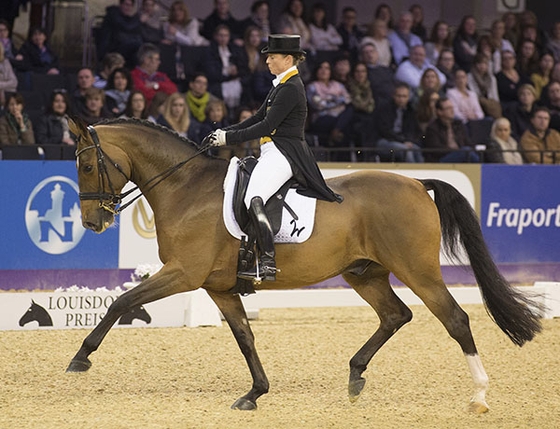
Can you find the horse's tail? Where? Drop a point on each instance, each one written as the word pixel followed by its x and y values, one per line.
pixel 515 313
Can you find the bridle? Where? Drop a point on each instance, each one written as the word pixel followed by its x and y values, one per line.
pixel 110 200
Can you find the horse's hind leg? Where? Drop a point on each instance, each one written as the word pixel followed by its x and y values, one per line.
pixel 441 303
pixel 373 286
pixel 236 317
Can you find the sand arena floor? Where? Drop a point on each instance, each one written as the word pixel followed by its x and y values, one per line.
pixel 188 378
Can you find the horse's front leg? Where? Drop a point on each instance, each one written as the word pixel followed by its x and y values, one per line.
pixel 162 284
pixel 236 317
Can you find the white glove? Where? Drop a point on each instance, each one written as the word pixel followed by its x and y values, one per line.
pixel 218 138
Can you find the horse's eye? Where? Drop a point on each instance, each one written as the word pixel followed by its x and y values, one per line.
pixel 87 168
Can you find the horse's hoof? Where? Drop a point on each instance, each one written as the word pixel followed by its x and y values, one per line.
pixel 79 365
pixel 355 387
pixel 478 407
pixel 244 404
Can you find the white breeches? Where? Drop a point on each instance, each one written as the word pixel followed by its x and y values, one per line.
pixel 271 172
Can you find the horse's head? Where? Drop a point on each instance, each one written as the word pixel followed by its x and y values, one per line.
pixel 36 313
pixel 103 170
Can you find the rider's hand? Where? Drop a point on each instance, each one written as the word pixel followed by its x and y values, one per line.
pixel 218 138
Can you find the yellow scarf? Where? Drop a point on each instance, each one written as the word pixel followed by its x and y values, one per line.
pixel 198 105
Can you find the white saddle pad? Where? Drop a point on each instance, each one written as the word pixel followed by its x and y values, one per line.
pixel 292 230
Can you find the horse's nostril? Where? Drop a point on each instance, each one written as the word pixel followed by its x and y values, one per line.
pixel 90 225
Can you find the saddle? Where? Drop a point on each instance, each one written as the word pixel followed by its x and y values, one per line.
pixel 273 207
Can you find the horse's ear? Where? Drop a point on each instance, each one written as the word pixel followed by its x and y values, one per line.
pixel 77 126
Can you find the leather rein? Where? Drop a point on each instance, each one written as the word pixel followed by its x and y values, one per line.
pixel 110 200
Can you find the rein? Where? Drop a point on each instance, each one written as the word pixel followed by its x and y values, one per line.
pixel 109 200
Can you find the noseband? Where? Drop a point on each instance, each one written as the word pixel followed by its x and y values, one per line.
pixel 109 200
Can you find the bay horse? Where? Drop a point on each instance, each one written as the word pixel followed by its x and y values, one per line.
pixel 387 223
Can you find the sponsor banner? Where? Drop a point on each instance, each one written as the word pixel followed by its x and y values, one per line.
pixel 137 234
pixel 84 309
pixel 520 212
pixel 40 220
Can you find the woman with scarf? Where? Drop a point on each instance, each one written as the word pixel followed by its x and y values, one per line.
pixel 507 147
pixel 15 125
pixel 484 84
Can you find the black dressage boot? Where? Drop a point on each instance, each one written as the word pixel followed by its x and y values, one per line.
pixel 265 243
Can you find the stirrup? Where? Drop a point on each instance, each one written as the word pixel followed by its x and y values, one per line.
pixel 259 274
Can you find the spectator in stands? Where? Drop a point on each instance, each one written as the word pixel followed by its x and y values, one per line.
pixel 6 40
pixel 553 104
pixel 259 18
pixel 341 68
pixel 35 55
pixel 220 16
pixel 402 39
pixel 529 29
pixel 440 39
pixel 363 103
pixel 261 81
pixel 410 71
pixel 428 81
pixel 146 77
pixel 324 36
pixel 465 43
pixel 293 21
pixel 8 78
pixel 465 102
pixel 95 106
pixel 329 103
pixel 15 126
pixel 350 32
pixel 541 77
pixel 554 76
pixel 377 35
pixel 499 43
pixel 483 83
pixel 426 108
pixel 121 31
pixel 446 65
pixel 198 97
pixel 527 59
pixel 486 48
pixel 511 28
pixel 52 128
pixel 252 42
pixel 398 128
pixel 136 106
pixel 509 80
pixel 226 67
pixel 380 77
pixel 110 62
pixel 553 44
pixel 175 115
pixel 519 114
pixel 150 18
pixel 508 148
pixel 540 144
pixel 85 81
pixel 216 117
pixel 447 137
pixel 418 27
pixel 118 91
pixel 155 108
pixel 384 13
pixel 181 28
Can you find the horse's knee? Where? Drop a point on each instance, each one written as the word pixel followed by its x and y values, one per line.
pixel 396 320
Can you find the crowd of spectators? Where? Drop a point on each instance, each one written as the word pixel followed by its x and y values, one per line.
pixel 394 88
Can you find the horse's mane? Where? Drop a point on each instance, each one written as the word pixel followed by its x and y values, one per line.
pixel 158 127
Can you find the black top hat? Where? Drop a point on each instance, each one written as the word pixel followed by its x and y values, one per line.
pixel 283 44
